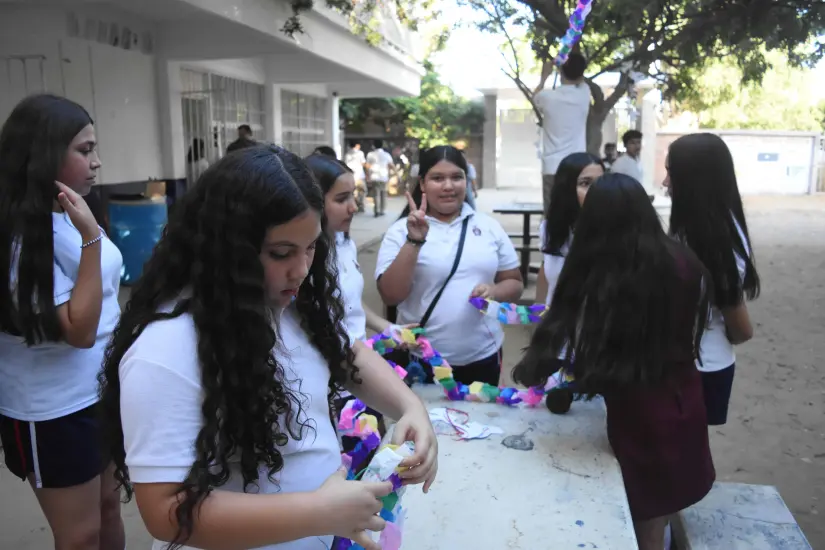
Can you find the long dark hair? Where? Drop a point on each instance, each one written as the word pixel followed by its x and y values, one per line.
pixel 563 210
pixel 209 252
pixel 429 158
pixel 706 201
pixel 326 170
pixel 33 145
pixel 617 292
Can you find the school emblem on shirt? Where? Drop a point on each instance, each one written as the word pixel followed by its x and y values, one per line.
pixel 476 231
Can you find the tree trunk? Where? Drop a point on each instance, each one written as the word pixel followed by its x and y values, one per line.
pixel 595 120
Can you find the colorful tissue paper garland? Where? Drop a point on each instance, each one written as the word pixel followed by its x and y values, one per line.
pixel 574 32
pixel 509 314
pixel 443 373
pixel 385 467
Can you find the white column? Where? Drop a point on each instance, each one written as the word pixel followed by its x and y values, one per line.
pixel 274 121
pixel 334 123
pixel 650 126
pixel 489 148
pixel 170 118
pixel 610 133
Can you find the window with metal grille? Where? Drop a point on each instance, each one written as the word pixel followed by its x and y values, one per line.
pixel 305 120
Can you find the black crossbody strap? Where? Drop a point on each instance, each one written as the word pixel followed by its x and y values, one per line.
pixel 461 239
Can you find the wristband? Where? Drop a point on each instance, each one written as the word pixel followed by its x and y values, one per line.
pixel 416 242
pixel 93 241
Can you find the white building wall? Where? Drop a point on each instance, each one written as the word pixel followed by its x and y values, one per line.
pixel 116 86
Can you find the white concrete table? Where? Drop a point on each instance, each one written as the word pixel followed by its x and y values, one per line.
pixel 566 492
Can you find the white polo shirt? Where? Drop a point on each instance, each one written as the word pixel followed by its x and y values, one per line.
pixel 715 349
pixel 54 379
pixel 552 263
pixel 160 407
pixel 456 329
pixel 351 282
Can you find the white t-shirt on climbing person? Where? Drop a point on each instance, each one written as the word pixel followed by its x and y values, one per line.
pixel 456 329
pixel 552 263
pixel 716 351
pixel 160 406
pixel 53 379
pixel 351 282
pixel 564 127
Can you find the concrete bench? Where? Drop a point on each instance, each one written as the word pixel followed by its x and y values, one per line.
pixel 738 516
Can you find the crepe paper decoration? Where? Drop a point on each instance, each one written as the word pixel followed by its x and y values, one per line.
pixel 443 373
pixel 385 466
pixel 509 314
pixel 574 31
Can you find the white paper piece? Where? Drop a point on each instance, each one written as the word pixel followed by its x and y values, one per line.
pixel 447 422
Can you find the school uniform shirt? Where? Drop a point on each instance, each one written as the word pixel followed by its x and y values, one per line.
pixel 715 349
pixel 552 263
pixel 564 126
pixel 628 166
pixel 379 162
pixel 53 379
pixel 351 283
pixel 456 329
pixel 160 406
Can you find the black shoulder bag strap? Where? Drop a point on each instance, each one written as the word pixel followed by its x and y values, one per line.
pixel 461 239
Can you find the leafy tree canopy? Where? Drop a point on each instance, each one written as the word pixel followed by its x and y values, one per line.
pixel 659 39
pixel 785 99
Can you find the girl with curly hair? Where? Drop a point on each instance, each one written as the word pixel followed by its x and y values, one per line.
pixel 707 216
pixel 59 282
pixel 630 307
pixel 216 381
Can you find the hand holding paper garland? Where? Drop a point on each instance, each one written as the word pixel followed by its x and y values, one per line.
pixel 510 314
pixel 574 32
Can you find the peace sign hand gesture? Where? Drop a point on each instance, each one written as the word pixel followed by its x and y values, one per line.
pixel 417 224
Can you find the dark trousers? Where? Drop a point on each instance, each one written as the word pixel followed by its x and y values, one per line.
pixel 486 370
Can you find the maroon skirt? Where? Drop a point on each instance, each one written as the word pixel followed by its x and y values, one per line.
pixel 660 439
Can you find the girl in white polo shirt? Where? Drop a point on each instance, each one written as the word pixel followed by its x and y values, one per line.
pixel 338 185
pixel 707 215
pixel 575 175
pixel 59 283
pixel 439 254
pixel 216 386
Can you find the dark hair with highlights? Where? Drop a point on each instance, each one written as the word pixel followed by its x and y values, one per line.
pixel 563 210
pixel 629 303
pixel 705 210
pixel 209 252
pixel 33 145
pixel 429 158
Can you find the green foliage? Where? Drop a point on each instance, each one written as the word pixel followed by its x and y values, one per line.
pixel 364 15
pixel 437 117
pixel 783 100
pixel 661 39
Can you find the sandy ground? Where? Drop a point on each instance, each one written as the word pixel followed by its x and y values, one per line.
pixel 776 431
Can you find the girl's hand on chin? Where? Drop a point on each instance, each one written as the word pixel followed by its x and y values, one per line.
pixel 415 426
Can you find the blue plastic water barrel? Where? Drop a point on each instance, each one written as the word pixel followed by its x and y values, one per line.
pixel 135 227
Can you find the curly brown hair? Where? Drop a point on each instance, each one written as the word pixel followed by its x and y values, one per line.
pixel 209 252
